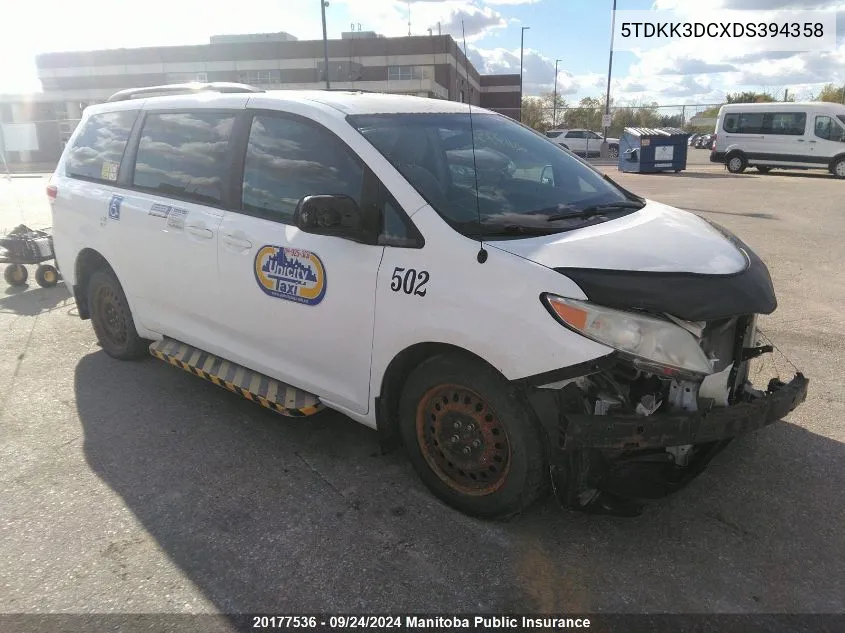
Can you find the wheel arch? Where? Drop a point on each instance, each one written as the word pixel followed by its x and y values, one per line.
pixel 393 380
pixel 835 159
pixel 88 261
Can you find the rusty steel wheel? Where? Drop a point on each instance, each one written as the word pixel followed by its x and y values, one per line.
pixel 463 440
pixel 472 437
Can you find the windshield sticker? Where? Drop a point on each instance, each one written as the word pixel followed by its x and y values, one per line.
pixel 109 170
pixel 176 218
pixel 290 273
pixel 114 207
pixel 159 210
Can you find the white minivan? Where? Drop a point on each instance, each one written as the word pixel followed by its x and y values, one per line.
pixel 454 280
pixel 781 135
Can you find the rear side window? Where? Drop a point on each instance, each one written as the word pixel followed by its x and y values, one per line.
pixel 779 123
pixel 287 159
pixel 98 149
pixel 183 155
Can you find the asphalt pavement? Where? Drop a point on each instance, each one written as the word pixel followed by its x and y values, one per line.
pixel 135 487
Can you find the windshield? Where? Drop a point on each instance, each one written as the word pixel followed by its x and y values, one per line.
pixel 526 184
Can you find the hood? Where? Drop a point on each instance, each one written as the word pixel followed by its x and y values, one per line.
pixel 658 259
pixel 657 238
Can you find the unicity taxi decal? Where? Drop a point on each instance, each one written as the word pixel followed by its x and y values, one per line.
pixel 290 273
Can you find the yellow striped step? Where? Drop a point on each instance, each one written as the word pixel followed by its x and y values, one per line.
pixel 266 391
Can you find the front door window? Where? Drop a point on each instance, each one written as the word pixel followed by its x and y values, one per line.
pixel 829 129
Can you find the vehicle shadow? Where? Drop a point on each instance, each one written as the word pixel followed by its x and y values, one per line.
pixel 26 301
pixel 272 515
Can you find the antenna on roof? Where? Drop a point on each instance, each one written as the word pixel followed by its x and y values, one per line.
pixel 482 254
pixel 409 18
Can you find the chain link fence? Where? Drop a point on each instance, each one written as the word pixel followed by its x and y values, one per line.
pixel 690 117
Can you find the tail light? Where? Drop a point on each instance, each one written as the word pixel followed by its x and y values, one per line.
pixel 52 191
pixel 713 146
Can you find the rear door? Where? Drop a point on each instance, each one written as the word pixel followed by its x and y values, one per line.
pixel 297 306
pixel 786 137
pixel 576 141
pixel 171 213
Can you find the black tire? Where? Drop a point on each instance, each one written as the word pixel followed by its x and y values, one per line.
pixel 838 168
pixel 46 276
pixel 112 318
pixel 494 464
pixel 613 151
pixel 15 274
pixel 736 163
pixel 763 169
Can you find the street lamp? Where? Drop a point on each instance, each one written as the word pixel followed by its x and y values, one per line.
pixel 323 5
pixel 521 46
pixel 609 69
pixel 554 98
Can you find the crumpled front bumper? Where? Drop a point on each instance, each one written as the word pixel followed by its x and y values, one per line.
pixel 634 432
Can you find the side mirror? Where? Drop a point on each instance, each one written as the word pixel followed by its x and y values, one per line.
pixel 335 214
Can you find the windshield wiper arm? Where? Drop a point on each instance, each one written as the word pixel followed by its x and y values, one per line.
pixel 596 209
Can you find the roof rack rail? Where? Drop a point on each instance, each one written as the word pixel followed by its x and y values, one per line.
pixel 176 89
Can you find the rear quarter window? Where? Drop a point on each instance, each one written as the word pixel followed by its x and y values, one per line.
pixel 98 149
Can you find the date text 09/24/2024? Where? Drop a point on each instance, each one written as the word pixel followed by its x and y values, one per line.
pixel 270 622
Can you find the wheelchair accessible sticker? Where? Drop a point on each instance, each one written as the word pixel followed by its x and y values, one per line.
pixel 114 207
pixel 291 274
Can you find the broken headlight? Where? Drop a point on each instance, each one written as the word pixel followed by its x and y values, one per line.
pixel 659 343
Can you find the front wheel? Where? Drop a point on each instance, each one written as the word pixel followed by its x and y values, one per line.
pixel 613 151
pixel 112 318
pixel 736 164
pixel 838 168
pixel 46 275
pixel 470 439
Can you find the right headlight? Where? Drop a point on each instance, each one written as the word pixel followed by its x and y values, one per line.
pixel 639 336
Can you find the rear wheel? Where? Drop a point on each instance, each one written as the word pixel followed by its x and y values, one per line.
pixel 112 319
pixel 613 151
pixel 470 439
pixel 15 274
pixel 763 169
pixel 838 168
pixel 736 163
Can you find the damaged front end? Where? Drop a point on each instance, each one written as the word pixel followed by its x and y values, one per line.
pixel 624 430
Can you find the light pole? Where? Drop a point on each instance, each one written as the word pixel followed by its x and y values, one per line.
pixel 554 99
pixel 609 69
pixel 521 46
pixel 323 5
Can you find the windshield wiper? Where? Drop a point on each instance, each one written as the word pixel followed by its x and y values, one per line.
pixel 596 209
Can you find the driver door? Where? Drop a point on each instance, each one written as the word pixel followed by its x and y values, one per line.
pixel 297 306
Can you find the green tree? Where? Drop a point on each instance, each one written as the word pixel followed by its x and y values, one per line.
pixel 831 93
pixel 533 114
pixel 554 114
pixel 587 114
pixel 750 97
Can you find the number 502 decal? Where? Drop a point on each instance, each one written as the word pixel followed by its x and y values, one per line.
pixel 412 283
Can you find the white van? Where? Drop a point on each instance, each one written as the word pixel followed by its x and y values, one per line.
pixel 457 282
pixel 781 135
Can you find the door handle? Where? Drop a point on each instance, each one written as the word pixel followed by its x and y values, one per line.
pixel 236 240
pixel 199 231
pixel 812 141
pixel 800 140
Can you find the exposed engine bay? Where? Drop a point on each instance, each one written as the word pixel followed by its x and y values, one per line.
pixel 629 432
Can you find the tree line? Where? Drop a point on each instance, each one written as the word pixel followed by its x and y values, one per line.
pixel 547 112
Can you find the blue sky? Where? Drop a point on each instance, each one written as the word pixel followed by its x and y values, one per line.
pixel 575 31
